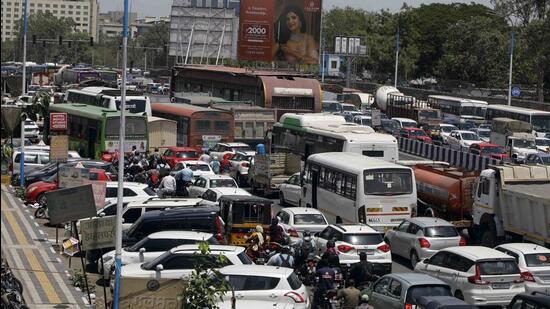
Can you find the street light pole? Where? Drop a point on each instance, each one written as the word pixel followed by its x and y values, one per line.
pixel 118 243
pixel 23 92
pixel 396 54
pixel 511 64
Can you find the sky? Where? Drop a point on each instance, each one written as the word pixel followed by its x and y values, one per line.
pixel 162 7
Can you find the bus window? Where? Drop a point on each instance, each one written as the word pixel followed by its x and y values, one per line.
pixel 388 182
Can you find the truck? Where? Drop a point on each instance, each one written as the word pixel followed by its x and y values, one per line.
pixel 395 104
pixel 268 171
pixel 445 192
pixel 512 204
pixel 515 136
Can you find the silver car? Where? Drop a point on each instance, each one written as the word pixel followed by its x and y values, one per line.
pixel 402 290
pixel 421 237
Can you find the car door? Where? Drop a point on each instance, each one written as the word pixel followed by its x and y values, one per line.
pixel 396 240
pixel 379 297
pixel 431 266
pixel 255 288
pixel 293 190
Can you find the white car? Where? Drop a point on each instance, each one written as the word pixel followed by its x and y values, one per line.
pixel 199 168
pixel 205 182
pixel 180 261
pixel 406 122
pixel 462 139
pixel 534 264
pixel 484 134
pixel 152 246
pixel 262 286
pixel 478 275
pixel 240 163
pixel 446 130
pixel 296 220
pixel 211 196
pixel 352 239
pixel 290 191
pixel 220 149
pixel 543 144
pixel 131 192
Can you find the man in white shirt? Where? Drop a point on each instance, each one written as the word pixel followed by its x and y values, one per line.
pixel 167 186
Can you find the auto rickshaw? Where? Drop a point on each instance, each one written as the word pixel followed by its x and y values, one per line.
pixel 242 214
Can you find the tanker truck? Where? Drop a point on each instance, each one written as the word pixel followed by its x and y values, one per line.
pixel 512 204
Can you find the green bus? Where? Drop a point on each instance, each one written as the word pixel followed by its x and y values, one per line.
pixel 94 130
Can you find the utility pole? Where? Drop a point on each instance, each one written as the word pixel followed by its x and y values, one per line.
pixel 396 54
pixel 511 64
pixel 23 92
pixel 122 127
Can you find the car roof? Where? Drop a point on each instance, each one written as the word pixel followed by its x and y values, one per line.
pixel 478 252
pixel 213 248
pixel 193 162
pixel 257 270
pixel 447 125
pixel 235 144
pixel 180 235
pixel 174 148
pixel 414 278
pixel 172 212
pixel 214 176
pixel 483 145
pixel 411 129
pixel 403 119
pixel 355 228
pixel 301 210
pixel 525 248
pixel 429 221
pixel 464 131
pixel 154 201
pixel 127 184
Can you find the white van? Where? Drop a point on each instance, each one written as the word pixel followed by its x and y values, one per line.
pixel 406 122
pixel 36 157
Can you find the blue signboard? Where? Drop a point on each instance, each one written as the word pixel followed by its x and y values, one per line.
pixel 516 91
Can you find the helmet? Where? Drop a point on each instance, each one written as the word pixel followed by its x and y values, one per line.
pixel 330 244
pixel 259 229
pixel 307 233
pixel 135 160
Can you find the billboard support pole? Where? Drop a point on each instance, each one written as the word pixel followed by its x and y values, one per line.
pixel 221 40
pixel 206 37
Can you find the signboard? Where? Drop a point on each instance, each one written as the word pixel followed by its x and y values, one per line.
pixel 375 118
pixel 58 121
pixel 59 148
pixel 98 233
pixel 280 30
pixel 70 204
pixel 209 141
pixel 337 45
pixel 70 177
pixel 112 145
pixel 516 91
pixel 349 45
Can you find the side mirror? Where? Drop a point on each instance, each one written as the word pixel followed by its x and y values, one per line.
pixel 159 267
pixel 425 261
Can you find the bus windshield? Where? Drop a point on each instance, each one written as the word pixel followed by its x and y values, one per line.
pixel 541 123
pixel 429 113
pixel 388 181
pixel 134 126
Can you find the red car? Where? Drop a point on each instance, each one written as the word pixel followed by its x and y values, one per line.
pixel 416 134
pixel 36 192
pixel 173 155
pixel 492 151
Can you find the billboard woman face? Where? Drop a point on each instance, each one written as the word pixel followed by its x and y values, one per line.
pixel 293 22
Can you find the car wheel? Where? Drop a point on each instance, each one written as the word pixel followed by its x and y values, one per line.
pixel 40 213
pixel 41 199
pixel 281 199
pixel 459 295
pixel 414 259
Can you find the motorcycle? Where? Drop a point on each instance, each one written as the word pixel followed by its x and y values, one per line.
pixel 306 271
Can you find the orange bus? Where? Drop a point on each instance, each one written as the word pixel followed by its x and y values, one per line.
pixel 198 127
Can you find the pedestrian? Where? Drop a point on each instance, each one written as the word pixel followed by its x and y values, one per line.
pixel 204 158
pixel 282 259
pixel 351 295
pixel 167 186
pixel 215 164
pixel 363 272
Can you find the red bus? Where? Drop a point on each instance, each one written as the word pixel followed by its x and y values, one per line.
pixel 198 127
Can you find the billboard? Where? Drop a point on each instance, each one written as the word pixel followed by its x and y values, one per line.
pixel 280 30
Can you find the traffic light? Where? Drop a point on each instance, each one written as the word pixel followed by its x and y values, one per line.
pixel 33 39
pixel 60 40
pixel 91 41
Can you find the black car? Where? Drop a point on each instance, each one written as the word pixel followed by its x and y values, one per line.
pixel 534 301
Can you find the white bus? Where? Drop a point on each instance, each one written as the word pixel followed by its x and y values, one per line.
pixel 307 134
pixel 352 188
pixel 539 120
pixel 109 98
pixel 458 110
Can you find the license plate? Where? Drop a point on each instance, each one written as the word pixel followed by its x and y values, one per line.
pixel 368 252
pixel 501 286
pixel 545 278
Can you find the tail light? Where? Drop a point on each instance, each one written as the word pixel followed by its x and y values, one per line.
pixel 424 243
pixel 297 298
pixel 476 279
pixel 292 232
pixel 462 242
pixel 384 248
pixel 344 248
pixel 245 164
pixel 527 276
pixel 408 306
pixel 219 229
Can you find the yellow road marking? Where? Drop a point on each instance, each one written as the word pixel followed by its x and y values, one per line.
pixel 35 265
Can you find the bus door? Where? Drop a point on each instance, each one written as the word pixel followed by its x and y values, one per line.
pixel 307 151
pixel 92 137
pixel 314 185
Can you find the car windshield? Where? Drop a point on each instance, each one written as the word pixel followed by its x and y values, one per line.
pixel 151 264
pixel 493 149
pixel 363 239
pixel 186 154
pixel 149 191
pixel 306 219
pixel 448 129
pixel 52 178
pixel 414 292
pixel 390 124
pixel 469 136
pixel 542 142
pixel 467 126
pixel 417 133
pixel 366 121
pixel 525 143
pixel 541 123
pixel 440 231
pixel 199 167
pixel 388 181
pixel 501 267
pixel 408 124
pixel 216 183
pixel 484 133
pixel 537 259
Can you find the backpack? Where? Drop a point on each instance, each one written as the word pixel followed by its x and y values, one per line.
pixel 285 262
pixel 306 248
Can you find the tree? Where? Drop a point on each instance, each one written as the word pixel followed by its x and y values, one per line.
pixel 157 37
pixel 206 286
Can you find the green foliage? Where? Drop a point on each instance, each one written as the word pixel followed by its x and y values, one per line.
pixel 78 280
pixel 205 286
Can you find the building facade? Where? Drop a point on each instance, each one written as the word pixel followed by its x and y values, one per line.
pixel 83 12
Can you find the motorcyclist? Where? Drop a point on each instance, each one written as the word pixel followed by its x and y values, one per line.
pixel 325 278
pixel 184 178
pixel 255 242
pixel 304 248
pixel 135 168
pixel 282 259
pixel 331 254
pixel 362 272
pixel 351 296
pixel 276 232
